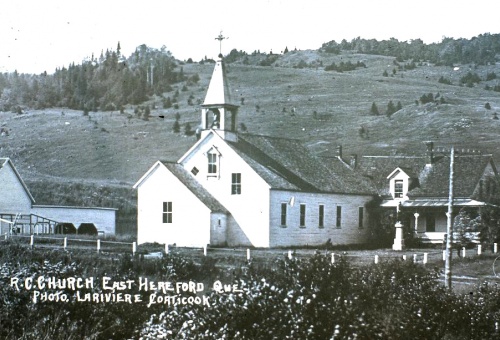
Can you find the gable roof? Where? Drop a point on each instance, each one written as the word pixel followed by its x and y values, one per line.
pixel 433 181
pixel 6 162
pixel 191 184
pixel 286 164
pixel 196 188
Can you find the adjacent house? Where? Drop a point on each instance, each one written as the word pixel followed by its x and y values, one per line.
pixel 239 189
pixel 420 185
pixel 19 214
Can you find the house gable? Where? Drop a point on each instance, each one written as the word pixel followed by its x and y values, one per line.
pixel 15 196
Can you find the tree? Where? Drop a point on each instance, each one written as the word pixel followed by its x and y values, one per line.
pixel 176 128
pixel 374 109
pixel 487 106
pixel 187 129
pixel 399 106
pixel 390 108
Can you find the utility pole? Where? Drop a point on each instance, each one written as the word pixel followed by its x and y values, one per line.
pixel 449 226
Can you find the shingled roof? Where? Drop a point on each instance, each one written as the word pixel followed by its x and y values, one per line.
pixel 286 164
pixel 196 188
pixel 433 181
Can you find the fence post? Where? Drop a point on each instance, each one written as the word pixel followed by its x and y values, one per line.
pixel 134 248
pixel 463 252
pixel 248 254
pixel 479 249
pixel 290 254
pixel 32 241
pixel 166 248
pixel 495 248
pixel 65 243
pixel 414 258
pixel 425 258
pixel 444 255
pixel 376 259
pixel 333 257
pixel 404 257
pixel 98 246
pixel 205 250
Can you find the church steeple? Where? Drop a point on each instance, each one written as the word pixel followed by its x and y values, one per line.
pixel 218 111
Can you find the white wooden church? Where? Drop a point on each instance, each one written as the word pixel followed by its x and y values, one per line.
pixel 239 189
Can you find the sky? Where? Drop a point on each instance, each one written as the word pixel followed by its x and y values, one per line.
pixel 38 36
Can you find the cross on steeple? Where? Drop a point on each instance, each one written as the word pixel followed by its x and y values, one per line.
pixel 220 38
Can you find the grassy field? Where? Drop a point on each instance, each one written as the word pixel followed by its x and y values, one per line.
pixel 105 153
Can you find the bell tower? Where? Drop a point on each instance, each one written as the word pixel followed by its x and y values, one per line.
pixel 218 111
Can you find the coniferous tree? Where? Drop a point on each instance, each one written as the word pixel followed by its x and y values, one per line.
pixel 374 109
pixel 390 108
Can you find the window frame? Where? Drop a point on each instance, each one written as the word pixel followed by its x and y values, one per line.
pixel 338 217
pixel 283 214
pixel 399 188
pixel 236 183
pixel 321 216
pixel 167 216
pixel 302 215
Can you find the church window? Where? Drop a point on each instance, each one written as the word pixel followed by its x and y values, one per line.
pixel 302 215
pixel 195 171
pixel 212 163
pixel 321 216
pixel 235 184
pixel 360 217
pixel 398 188
pixel 339 217
pixel 167 212
pixel 283 213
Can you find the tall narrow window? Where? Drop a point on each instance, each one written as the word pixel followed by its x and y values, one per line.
pixel 212 163
pixel 321 216
pixel 302 215
pixel 236 184
pixel 360 217
pixel 167 212
pixel 339 217
pixel 283 213
pixel 398 188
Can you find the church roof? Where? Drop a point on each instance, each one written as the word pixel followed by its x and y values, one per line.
pixel 196 188
pixel 286 164
pixel 433 181
pixel 219 92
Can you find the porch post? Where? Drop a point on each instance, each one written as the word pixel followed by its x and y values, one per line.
pixel 416 222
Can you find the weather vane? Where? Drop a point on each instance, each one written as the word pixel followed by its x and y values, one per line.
pixel 220 38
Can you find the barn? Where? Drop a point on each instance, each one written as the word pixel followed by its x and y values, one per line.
pixel 20 214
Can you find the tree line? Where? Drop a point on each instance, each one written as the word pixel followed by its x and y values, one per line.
pixel 105 83
pixel 480 50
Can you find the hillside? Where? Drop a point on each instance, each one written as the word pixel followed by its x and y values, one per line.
pixel 321 108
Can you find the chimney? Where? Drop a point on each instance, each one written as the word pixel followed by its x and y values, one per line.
pixel 339 151
pixel 353 161
pixel 429 154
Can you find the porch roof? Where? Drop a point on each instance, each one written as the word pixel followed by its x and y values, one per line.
pixel 433 202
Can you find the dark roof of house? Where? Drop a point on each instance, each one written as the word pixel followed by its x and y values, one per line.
pixel 433 181
pixel 286 164
pixel 196 188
